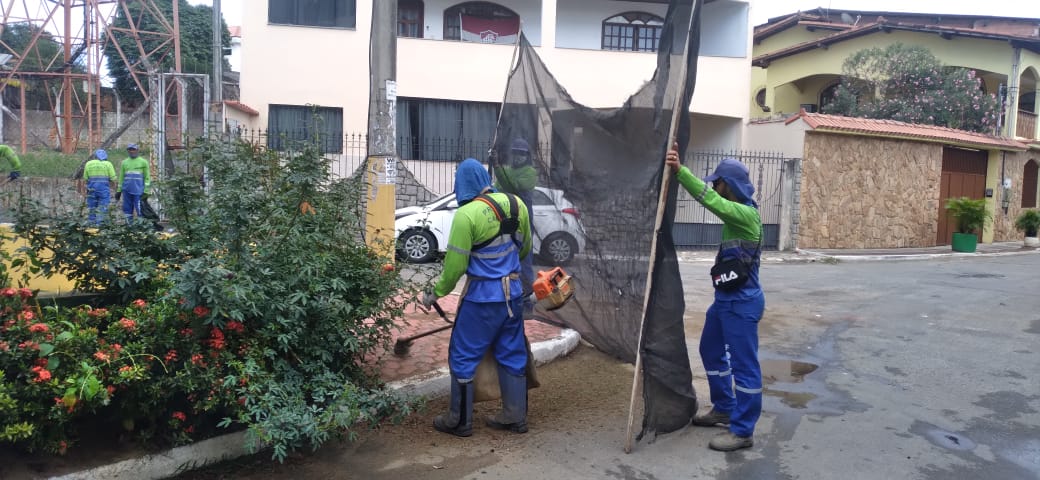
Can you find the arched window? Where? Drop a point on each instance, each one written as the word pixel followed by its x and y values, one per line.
pixel 1029 184
pixel 410 18
pixel 828 94
pixel 481 22
pixel 632 31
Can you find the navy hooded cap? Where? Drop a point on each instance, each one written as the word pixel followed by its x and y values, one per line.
pixel 520 145
pixel 735 174
pixel 471 178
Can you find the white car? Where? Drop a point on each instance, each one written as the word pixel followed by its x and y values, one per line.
pixel 422 232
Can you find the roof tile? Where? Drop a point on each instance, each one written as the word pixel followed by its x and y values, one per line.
pixel 891 128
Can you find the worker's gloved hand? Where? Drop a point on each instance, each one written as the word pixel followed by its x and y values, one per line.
pixel 428 298
pixel 14 175
pixel 119 196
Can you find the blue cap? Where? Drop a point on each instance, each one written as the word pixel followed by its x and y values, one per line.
pixel 132 146
pixel 520 145
pixel 100 154
pixel 735 174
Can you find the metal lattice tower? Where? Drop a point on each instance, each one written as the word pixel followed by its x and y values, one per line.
pixel 71 77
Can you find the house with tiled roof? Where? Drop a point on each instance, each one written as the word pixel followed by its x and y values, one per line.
pixel 874 183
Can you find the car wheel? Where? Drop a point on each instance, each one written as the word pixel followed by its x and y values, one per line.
pixel 417 246
pixel 558 248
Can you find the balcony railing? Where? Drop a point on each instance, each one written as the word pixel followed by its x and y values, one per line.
pixel 1026 125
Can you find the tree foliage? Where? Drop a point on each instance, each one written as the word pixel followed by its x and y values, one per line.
pixel 909 84
pixel 45 56
pixel 196 33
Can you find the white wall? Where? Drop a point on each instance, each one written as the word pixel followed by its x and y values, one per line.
pixel 530 12
pixel 724 29
pixel 775 136
pixel 708 132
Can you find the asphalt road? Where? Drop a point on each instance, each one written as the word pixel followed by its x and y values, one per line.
pixel 887 370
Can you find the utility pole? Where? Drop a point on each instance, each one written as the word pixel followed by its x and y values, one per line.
pixel 217 88
pixel 382 128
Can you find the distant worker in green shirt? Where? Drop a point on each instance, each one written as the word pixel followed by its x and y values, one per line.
pixel 516 174
pixel 7 153
pixel 134 181
pixel 729 340
pixel 100 177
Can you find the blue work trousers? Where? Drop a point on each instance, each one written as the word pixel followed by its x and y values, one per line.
pixel 480 326
pixel 131 205
pixel 98 199
pixel 729 351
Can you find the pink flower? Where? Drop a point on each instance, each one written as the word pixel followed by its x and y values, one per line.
pixel 42 374
pixel 98 312
pixel 25 293
pixel 127 323
pixel 39 328
pixel 8 292
pixel 201 311
pixel 171 356
pixel 125 369
pixel 179 416
pixel 139 303
pixel 102 356
pixel 235 326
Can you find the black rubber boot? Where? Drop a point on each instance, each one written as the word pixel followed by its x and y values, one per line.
pixel 459 419
pixel 513 416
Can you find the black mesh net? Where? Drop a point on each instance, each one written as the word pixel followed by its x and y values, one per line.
pixel 602 170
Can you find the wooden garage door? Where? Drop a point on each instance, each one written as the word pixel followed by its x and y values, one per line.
pixel 963 175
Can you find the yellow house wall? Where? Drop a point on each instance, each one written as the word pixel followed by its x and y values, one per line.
pixel 786 38
pixel 990 55
pixel 804 91
pixel 758 82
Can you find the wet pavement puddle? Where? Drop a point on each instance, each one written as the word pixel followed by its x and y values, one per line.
pixel 787 372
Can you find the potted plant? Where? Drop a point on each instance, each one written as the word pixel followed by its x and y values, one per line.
pixel 971 216
pixel 1029 222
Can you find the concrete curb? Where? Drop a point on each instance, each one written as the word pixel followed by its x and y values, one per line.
pixel 820 257
pixel 176 461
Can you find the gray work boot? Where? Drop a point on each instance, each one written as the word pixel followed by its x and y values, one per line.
pixel 728 442
pixel 459 419
pixel 714 418
pixel 513 416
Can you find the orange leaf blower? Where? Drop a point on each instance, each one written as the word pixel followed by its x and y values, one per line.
pixel 553 288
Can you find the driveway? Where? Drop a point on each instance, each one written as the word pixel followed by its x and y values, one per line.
pixel 874 370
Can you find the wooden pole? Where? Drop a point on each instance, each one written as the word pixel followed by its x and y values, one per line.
pixel 662 199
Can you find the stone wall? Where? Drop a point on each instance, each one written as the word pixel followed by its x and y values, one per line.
pixel 860 192
pixel 1014 168
pixel 42 133
pixel 55 195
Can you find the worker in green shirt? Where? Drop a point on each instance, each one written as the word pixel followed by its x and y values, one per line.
pixel 489 235
pixel 7 153
pixel 515 173
pixel 100 176
pixel 134 182
pixel 729 340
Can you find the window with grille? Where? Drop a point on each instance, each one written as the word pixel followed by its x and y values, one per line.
pixel 290 124
pixel 477 10
pixel 313 13
pixel 632 31
pixel 410 18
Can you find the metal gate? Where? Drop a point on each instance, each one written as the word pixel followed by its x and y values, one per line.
pixel 697 228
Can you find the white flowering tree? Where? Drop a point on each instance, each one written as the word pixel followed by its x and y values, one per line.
pixel 907 83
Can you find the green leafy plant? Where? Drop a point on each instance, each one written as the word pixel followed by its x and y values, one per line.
pixel 1028 222
pixel 971 215
pixel 263 311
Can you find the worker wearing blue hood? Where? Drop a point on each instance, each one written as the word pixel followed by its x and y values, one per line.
pixel 729 340
pixel 482 246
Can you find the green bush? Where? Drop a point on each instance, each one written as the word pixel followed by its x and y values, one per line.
pixel 970 215
pixel 260 311
pixel 1028 222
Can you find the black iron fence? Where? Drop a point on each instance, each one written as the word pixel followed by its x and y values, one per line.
pixel 697 228
pixel 432 162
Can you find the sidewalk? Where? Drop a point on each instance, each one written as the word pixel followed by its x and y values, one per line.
pixel 872 254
